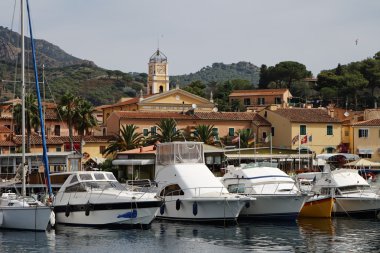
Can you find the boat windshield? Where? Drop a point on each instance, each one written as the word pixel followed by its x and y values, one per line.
pixel 95 186
pixel 353 188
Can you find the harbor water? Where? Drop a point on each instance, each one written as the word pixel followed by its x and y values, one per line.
pixel 304 235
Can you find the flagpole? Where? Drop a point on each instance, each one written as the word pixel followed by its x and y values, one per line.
pixel 239 150
pixel 308 149
pixel 299 152
pixel 270 136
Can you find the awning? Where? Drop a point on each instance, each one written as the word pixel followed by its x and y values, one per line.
pixel 268 156
pixel 365 151
pixel 133 162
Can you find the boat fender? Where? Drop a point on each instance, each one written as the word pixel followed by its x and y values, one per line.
pixel 195 208
pixel 178 204
pixel 87 209
pixel 247 204
pixel 68 210
pixel 162 209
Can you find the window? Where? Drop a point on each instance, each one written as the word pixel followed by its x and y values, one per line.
pixel 101 149
pixel 346 133
pixel 272 130
pixel 57 130
pixel 261 101
pixel 302 129
pixel 247 101
pixel 153 130
pixel 58 149
pixel 363 133
pixel 236 188
pixel 231 131
pixel 172 190
pixel 277 100
pixel 329 130
pixel 365 156
pixel 145 131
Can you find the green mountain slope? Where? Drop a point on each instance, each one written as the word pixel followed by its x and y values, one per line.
pixel 220 72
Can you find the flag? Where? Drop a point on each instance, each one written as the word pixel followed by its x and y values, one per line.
pixel 236 139
pixel 250 141
pixel 304 139
pixel 310 138
pixel 295 139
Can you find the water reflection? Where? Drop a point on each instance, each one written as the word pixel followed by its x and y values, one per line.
pixel 305 235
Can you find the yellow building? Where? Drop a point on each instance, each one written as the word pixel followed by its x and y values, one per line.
pixel 366 139
pixel 307 128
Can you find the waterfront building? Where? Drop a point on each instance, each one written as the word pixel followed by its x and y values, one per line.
pixel 366 139
pixel 256 100
pixel 306 128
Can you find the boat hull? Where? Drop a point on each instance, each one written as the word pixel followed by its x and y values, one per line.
pixel 25 218
pixel 283 207
pixel 357 207
pixel 107 214
pixel 206 210
pixel 317 207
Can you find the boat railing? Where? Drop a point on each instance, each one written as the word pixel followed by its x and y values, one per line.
pixel 271 188
pixel 197 192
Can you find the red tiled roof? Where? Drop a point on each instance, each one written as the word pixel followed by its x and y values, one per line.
pixel 237 93
pixel 134 100
pixel 86 138
pixel 7 144
pixel 152 115
pixel 306 115
pixel 146 150
pixel 4 129
pixel 232 116
pixel 371 122
pixel 35 139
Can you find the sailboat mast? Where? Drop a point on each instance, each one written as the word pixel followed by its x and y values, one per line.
pixel 23 97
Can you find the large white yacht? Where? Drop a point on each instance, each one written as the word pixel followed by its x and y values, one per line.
pixel 190 190
pixel 353 195
pixel 96 198
pixel 276 194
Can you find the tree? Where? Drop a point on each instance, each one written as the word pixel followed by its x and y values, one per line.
pixel 204 133
pixel 354 82
pixel 32 120
pixel 237 106
pixel 166 131
pixel 197 88
pixel 287 72
pixel 264 77
pixel 84 119
pixel 245 136
pixel 127 139
pixel 67 110
pixel 370 69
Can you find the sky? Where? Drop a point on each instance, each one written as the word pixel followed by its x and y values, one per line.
pixel 123 34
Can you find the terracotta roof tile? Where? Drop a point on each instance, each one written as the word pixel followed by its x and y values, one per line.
pixel 35 139
pixel 371 122
pixel 152 115
pixel 87 138
pixel 237 93
pixel 7 144
pixel 4 129
pixel 307 115
pixel 232 116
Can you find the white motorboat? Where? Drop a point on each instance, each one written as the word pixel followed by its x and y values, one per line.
pixel 96 198
pixel 353 195
pixel 276 194
pixel 190 190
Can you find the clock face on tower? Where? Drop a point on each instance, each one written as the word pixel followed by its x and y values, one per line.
pixel 160 69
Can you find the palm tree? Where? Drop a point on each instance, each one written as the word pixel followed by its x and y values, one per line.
pixel 245 136
pixel 127 139
pixel 32 120
pixel 167 131
pixel 204 133
pixel 85 119
pixel 67 111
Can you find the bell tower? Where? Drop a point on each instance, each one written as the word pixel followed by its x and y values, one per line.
pixel 158 75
